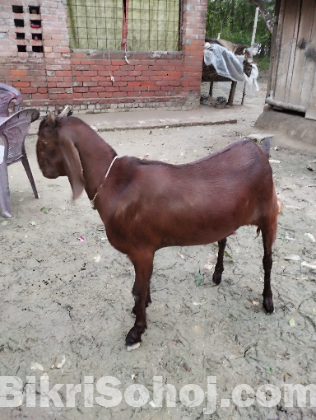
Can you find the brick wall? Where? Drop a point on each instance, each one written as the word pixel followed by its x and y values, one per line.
pixel 58 76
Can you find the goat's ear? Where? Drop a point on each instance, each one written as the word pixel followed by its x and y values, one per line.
pixel 51 118
pixel 72 166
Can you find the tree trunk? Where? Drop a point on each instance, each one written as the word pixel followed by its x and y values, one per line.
pixel 264 13
pixel 232 17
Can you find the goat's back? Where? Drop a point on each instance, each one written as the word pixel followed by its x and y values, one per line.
pixel 195 203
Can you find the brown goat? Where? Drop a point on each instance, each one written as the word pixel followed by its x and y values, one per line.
pixel 148 205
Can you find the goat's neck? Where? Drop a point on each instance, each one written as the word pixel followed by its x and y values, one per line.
pixel 96 156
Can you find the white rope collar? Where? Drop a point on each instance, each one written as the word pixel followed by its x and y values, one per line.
pixel 106 175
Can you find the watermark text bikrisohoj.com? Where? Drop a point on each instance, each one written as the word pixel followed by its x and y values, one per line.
pixel 107 392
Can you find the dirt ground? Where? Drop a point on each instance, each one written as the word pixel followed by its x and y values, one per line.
pixel 62 296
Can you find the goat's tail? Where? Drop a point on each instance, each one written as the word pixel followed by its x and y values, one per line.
pixel 265 147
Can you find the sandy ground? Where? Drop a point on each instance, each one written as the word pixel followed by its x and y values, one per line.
pixel 64 297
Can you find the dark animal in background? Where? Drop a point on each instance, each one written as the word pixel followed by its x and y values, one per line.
pixel 148 205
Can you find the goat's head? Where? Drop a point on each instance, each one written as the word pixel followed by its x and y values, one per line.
pixel 57 154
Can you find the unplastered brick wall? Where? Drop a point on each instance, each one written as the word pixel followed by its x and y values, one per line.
pixel 36 59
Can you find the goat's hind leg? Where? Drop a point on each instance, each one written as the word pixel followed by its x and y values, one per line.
pixel 143 265
pixel 268 238
pixel 219 268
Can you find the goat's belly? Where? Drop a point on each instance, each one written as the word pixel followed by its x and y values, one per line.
pixel 191 235
pixel 203 227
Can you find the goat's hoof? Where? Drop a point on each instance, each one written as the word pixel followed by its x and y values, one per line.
pixel 133 347
pixel 268 305
pixel 217 278
pixel 133 338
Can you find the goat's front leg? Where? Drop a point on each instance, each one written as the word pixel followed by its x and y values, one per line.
pixel 148 300
pixel 143 265
pixel 219 268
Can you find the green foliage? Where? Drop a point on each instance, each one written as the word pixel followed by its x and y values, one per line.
pixel 234 19
pixel 263 63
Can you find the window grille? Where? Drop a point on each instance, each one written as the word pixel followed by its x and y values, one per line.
pixel 95 24
pixel 153 25
pixel 146 25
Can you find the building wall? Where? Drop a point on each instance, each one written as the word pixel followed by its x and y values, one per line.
pixel 82 78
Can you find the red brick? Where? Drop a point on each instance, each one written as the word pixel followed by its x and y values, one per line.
pixel 56 90
pixel 51 43
pixel 49 17
pixel 113 89
pixel 78 55
pixel 126 68
pixel 118 84
pixel 148 84
pixel 128 79
pixel 63 73
pixel 86 62
pixel 80 68
pixel 126 89
pixel 145 93
pixel 134 73
pixel 39 96
pixel 90 95
pixel 176 83
pixel 134 94
pixel 118 73
pixel 47 3
pixel 147 73
pixel 141 68
pixel 28 90
pixel 118 63
pixel 52 56
pixel 83 79
pixel 97 68
pixel 105 94
pixel 176 73
pixel 19 72
pixel 97 89
pixel 133 83
pixel 90 84
pixel 28 78
pixel 89 73
pixel 77 95
pixel 64 95
pixel 21 84
pixel 12 79
pixel 42 90
pixel 80 89
pixel 64 85
pixel 63 50
pixel 108 84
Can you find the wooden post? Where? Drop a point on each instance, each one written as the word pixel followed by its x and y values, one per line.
pixel 254 29
pixel 232 93
pixel 211 89
pixel 243 94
